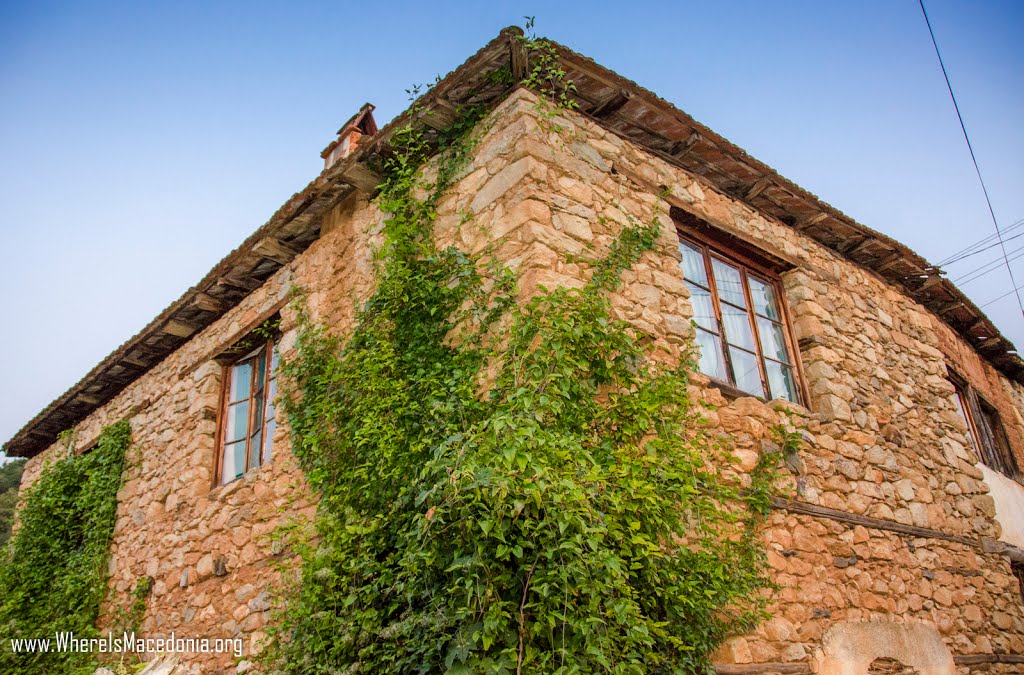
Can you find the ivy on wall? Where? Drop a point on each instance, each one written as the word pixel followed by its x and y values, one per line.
pixel 506 487
pixel 53 572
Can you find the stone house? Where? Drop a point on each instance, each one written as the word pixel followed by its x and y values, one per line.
pixel 905 529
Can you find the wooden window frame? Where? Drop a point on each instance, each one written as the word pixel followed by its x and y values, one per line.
pixel 986 430
pixel 716 244
pixel 264 354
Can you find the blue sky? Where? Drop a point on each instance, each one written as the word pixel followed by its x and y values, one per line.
pixel 142 141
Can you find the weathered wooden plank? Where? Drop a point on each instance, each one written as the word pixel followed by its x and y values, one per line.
pixel 683 148
pixel 362 177
pixel 760 186
pixel 178 328
pixel 756 668
pixel 885 263
pixel 439 115
pixel 976 659
pixel 519 58
pixel 795 506
pixel 275 249
pixel 610 104
pixel 811 222
pixel 208 303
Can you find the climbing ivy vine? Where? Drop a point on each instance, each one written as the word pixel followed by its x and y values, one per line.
pixel 53 572
pixel 506 487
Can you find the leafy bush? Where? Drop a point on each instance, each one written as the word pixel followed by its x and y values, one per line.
pixel 53 571
pixel 506 488
pixel 10 480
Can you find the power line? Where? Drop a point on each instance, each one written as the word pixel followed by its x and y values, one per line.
pixel 970 250
pixel 988 268
pixel 965 256
pixel 1001 297
pixel 977 169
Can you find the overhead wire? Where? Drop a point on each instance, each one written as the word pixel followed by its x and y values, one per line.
pixel 974 249
pixel 986 304
pixel 974 159
pixel 988 268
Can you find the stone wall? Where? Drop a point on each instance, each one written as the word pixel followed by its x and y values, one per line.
pixel 886 457
pixel 886 445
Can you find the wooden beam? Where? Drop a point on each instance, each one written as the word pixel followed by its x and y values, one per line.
pixel 794 506
pixel 760 186
pixel 976 659
pixel 683 148
pixel 439 115
pixel 992 345
pixel 611 104
pixel 949 307
pixel 932 280
pixel 178 328
pixel 888 261
pixel 87 399
pixel 855 246
pixel 138 361
pixel 238 281
pixel 519 58
pixel 811 222
pixel 275 249
pixel 362 177
pixel 757 668
pixel 978 323
pixel 208 303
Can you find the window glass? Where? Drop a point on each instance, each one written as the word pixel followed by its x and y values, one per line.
pixel 763 296
pixel 729 283
pixel 985 429
pixel 248 424
pixel 693 264
pixel 748 375
pixel 773 340
pixel 737 327
pixel 741 333
pixel 703 308
pixel 781 381
pixel 711 361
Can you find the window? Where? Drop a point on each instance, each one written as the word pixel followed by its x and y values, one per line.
pixel 741 329
pixel 984 428
pixel 248 415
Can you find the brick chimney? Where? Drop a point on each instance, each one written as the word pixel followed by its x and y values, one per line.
pixel 361 124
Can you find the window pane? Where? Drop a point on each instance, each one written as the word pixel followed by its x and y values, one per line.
pixel 737 327
pixel 729 283
pixel 257 414
pixel 234 462
pixel 711 362
pixel 693 264
pixel 260 363
pixel 773 340
pixel 237 422
pixel 268 439
pixel 274 360
pixel 703 310
pixel 961 407
pixel 255 448
pixel 748 375
pixel 780 380
pixel 763 297
pixel 241 380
